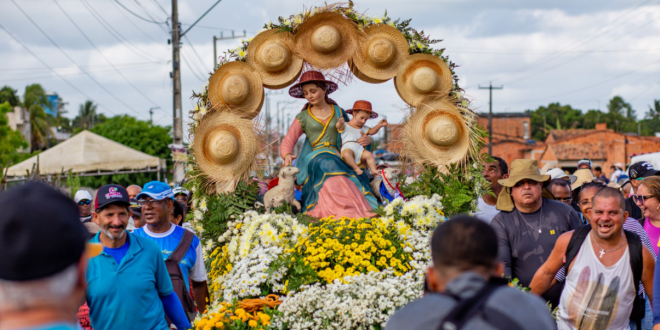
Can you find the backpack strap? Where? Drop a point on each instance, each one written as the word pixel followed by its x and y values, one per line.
pixel 636 258
pixel 641 221
pixel 574 245
pixel 182 248
pixel 466 309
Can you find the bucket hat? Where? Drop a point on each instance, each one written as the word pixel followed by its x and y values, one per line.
pixel 521 169
pixel 308 77
pixel 363 106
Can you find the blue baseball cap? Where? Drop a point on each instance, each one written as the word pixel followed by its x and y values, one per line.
pixel 156 190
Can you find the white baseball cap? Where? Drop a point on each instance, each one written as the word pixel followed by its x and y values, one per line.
pixel 180 190
pixel 558 173
pixel 82 194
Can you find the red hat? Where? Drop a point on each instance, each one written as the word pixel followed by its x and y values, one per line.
pixel 311 76
pixel 364 106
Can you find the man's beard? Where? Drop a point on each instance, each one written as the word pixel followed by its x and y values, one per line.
pixel 109 235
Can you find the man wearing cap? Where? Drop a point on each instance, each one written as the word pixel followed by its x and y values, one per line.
pixel 529 224
pixel 42 275
pixel 156 200
pixel 136 213
pixel 637 172
pixel 584 163
pixel 493 172
pixel 84 201
pixel 128 283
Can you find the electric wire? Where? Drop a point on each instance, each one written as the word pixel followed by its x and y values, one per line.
pixel 73 61
pixel 73 73
pixel 161 8
pixel 103 55
pixel 183 57
pixel 122 65
pixel 149 15
pixel 138 16
pixel 199 58
pixel 135 25
pixel 53 70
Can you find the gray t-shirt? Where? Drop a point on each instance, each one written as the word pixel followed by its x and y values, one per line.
pixel 523 249
pixel 526 309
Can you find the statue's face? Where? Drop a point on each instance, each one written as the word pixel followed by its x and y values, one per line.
pixel 314 94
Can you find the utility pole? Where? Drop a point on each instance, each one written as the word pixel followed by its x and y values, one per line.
pixel 222 37
pixel 177 128
pixel 151 114
pixel 490 115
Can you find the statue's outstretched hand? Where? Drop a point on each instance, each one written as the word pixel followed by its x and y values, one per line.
pixel 340 123
pixel 289 159
pixel 382 122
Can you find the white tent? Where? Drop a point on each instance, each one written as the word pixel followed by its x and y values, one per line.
pixel 89 154
pixel 652 158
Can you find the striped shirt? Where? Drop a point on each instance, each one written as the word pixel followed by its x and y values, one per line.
pixel 630 225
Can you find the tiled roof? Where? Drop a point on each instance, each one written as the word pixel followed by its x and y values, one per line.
pixel 576 151
pixel 560 134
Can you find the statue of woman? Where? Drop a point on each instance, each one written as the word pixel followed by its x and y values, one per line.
pixel 330 187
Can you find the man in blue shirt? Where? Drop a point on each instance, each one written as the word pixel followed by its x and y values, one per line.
pixel 44 254
pixel 128 284
pixel 157 200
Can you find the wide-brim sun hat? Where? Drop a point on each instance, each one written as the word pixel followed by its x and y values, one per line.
pixel 436 134
pixel 379 55
pixel 226 149
pixel 583 175
pixel 327 40
pixel 236 87
pixel 420 75
pixel 364 106
pixel 310 77
pixel 270 53
pixel 521 169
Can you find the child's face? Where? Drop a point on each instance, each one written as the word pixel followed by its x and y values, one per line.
pixel 360 118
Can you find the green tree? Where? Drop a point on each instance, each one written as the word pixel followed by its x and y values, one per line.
pixel 621 115
pixel 87 116
pixel 10 140
pixel 8 94
pixel 137 134
pixel 651 122
pixel 34 100
pixel 554 116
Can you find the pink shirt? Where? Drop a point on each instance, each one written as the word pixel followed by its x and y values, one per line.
pixel 654 233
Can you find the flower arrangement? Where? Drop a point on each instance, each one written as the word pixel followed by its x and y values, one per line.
pixel 234 317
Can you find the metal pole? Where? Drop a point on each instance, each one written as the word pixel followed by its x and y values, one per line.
pixel 176 87
pixel 215 54
pixel 490 115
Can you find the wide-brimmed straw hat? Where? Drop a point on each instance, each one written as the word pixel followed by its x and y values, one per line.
pixel 436 134
pixel 327 40
pixel 237 86
pixel 226 148
pixel 308 77
pixel 270 53
pixel 420 75
pixel 583 175
pixel 521 169
pixel 379 54
pixel 364 106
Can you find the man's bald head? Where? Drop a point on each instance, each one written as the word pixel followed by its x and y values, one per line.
pixel 133 191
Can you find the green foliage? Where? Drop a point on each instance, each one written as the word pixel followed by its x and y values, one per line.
pixel 137 134
pixel 10 140
pixel 87 117
pixel 73 182
pixel 8 94
pixel 459 187
pixel 34 100
pixel 554 116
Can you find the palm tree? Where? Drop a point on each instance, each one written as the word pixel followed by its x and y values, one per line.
pixel 87 116
pixel 34 100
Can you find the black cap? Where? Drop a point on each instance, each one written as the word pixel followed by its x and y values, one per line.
pixel 40 232
pixel 641 170
pixel 110 194
pixel 135 208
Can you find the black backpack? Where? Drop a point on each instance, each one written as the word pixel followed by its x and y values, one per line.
pixel 636 263
pixel 178 283
pixel 466 309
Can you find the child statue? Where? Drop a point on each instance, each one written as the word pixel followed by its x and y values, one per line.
pixel 351 151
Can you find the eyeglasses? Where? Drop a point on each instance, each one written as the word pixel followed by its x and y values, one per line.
pixel 564 200
pixel 180 199
pixel 640 198
pixel 84 202
pixel 144 202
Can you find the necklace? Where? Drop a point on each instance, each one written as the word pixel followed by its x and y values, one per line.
pixel 602 251
pixel 540 219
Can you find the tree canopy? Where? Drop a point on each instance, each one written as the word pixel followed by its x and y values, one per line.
pixel 10 140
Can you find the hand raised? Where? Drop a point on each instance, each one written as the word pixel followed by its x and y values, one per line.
pixel 289 159
pixel 382 122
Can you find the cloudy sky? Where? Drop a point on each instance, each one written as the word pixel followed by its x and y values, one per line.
pixel 574 52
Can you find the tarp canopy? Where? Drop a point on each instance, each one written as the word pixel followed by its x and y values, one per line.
pixel 86 152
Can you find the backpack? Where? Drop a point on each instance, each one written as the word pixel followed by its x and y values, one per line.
pixel 178 283
pixel 636 263
pixel 466 309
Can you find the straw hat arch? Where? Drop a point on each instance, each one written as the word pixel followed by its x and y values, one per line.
pixel 327 40
pixel 236 87
pixel 420 75
pixel 379 54
pixel 270 54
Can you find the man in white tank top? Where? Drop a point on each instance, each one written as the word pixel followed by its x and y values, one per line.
pixel 599 290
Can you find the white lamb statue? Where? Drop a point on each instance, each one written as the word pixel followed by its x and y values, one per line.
pixel 284 191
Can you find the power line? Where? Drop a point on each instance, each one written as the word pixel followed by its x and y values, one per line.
pixel 72 60
pixel 123 65
pixel 108 27
pixel 138 16
pixel 103 55
pixel 53 70
pixel 63 74
pixel 135 25
pixel 200 18
pixel 190 67
pixel 195 51
pixel 147 12
pixel 161 7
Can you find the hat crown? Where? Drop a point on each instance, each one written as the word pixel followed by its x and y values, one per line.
pixel 274 56
pixel 236 89
pixel 325 39
pixel 222 146
pixel 381 51
pixel 442 131
pixel 362 105
pixel 312 76
pixel 524 167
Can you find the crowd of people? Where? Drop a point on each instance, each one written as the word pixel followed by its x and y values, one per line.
pixel 126 258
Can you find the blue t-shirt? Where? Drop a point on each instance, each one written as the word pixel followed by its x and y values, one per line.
pixel 192 264
pixel 127 295
pixel 117 253
pixel 54 326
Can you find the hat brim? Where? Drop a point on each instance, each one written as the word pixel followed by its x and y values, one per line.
pixel 403 80
pixel 373 115
pixel 511 181
pixel 251 106
pixel 155 196
pixel 93 249
pixel 297 92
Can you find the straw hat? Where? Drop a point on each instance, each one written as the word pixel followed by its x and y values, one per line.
pixel 420 75
pixel 364 106
pixel 380 54
pixel 584 175
pixel 520 169
pixel 226 148
pixel 237 86
pixel 311 76
pixel 270 54
pixel 436 134
pixel 327 40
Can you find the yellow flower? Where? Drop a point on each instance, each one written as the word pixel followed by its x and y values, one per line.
pixel 241 53
pixel 252 323
pixel 238 226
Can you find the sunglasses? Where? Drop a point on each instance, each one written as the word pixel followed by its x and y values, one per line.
pixel 564 200
pixel 640 198
pixel 144 202
pixel 84 202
